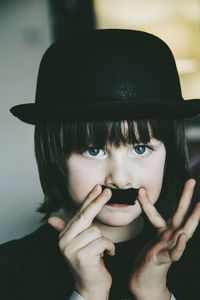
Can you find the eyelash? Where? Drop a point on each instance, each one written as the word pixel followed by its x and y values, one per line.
pixel 144 146
pixel 89 148
pixel 141 145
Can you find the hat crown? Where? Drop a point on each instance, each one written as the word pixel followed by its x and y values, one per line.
pixel 108 65
pixel 108 74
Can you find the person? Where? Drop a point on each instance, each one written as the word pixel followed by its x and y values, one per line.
pixel 113 165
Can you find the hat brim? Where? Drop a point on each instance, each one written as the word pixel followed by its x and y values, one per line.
pixel 33 113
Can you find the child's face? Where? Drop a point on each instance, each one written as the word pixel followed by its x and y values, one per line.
pixel 121 168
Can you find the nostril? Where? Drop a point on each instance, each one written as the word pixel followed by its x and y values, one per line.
pixel 118 184
pixel 111 186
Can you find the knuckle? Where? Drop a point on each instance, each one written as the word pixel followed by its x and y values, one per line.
pixel 60 235
pixel 107 242
pixel 177 235
pixel 82 218
pixel 61 245
pixel 165 234
pixel 179 232
pixel 66 253
pixel 175 258
pixel 96 230
pixel 64 250
pixel 81 256
pixel 103 239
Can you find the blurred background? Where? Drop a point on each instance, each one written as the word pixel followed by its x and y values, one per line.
pixel 27 28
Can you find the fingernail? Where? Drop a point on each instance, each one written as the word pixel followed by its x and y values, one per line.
pixel 194 182
pixel 106 192
pixel 142 192
pixel 96 188
pixel 56 224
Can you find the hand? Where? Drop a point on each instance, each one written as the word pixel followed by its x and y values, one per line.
pixel 148 279
pixel 83 246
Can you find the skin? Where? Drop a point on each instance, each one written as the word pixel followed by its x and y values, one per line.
pixel 94 228
pixel 119 168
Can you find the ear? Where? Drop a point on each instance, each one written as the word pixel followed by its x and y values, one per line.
pixel 57 223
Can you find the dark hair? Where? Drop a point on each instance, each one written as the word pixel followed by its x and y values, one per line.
pixel 55 141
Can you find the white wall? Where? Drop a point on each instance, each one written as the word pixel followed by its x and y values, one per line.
pixel 24 36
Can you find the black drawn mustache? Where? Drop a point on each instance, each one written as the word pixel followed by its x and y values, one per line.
pixel 122 196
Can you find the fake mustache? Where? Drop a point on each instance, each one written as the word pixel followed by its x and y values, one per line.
pixel 125 196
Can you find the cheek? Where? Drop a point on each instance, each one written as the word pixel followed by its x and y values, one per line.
pixel 81 180
pixel 153 179
pixel 154 184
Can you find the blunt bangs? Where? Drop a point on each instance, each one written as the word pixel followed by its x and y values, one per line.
pixel 79 135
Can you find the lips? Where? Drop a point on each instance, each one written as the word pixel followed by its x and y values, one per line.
pixel 125 196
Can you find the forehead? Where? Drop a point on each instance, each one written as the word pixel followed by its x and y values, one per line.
pixel 125 127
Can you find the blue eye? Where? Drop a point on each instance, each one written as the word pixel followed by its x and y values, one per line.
pixel 93 152
pixel 140 149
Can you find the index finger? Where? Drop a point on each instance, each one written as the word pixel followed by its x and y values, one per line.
pixel 184 203
pixel 84 217
pixel 151 212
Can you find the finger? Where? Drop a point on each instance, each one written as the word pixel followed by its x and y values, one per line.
pixel 57 223
pixel 81 240
pixel 166 235
pixel 166 253
pixel 97 247
pixel 147 206
pixel 177 251
pixel 184 204
pixel 192 222
pixel 92 195
pixel 83 219
pixel 159 253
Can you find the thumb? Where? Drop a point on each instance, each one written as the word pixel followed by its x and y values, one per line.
pixel 57 223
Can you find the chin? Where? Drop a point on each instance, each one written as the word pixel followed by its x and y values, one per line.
pixel 113 224
pixel 118 217
pixel 116 221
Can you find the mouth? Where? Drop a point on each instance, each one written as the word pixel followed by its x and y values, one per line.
pixel 122 198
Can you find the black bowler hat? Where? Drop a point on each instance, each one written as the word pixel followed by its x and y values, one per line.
pixel 107 74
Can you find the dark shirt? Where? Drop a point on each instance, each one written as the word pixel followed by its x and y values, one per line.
pixel 32 268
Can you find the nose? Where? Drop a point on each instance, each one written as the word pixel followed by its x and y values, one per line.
pixel 118 174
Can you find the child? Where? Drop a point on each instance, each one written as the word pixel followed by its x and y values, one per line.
pixel 110 148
